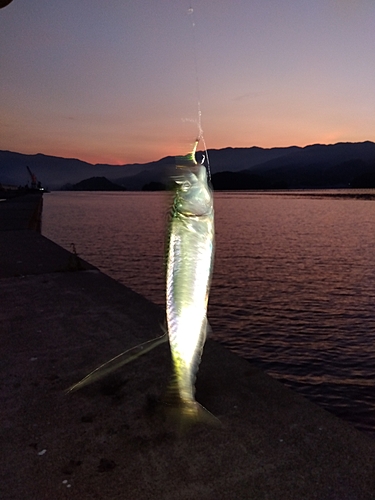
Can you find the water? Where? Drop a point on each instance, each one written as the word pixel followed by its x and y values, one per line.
pixel 294 280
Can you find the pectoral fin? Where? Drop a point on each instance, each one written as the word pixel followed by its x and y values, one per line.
pixel 118 361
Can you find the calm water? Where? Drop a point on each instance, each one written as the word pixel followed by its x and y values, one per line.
pixel 293 287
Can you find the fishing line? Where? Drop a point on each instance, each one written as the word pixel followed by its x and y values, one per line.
pixel 197 90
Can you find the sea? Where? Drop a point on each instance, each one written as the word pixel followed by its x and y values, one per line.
pixel 293 288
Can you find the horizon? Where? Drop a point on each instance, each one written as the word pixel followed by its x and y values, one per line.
pixel 127 83
pixel 198 150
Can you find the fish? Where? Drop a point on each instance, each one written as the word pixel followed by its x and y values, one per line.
pixel 189 266
pixel 190 257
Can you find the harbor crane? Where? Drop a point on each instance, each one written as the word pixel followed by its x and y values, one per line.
pixel 34 181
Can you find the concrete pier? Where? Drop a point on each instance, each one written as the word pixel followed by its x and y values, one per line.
pixel 60 318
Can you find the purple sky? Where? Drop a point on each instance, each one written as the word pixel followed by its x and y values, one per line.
pixel 115 81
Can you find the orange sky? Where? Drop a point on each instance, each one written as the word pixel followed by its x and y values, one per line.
pixel 117 83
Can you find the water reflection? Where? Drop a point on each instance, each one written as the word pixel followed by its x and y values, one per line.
pixel 293 287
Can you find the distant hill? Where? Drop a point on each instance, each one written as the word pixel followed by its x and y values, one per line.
pixel 154 186
pixel 94 184
pixel 54 172
pixel 315 166
pixel 342 165
pixel 366 180
pixel 319 166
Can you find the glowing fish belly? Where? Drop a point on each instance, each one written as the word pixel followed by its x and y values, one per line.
pixel 189 269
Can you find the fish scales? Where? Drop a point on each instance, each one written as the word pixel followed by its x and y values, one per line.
pixel 188 280
pixel 189 269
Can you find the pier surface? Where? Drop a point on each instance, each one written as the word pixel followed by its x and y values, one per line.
pixel 60 318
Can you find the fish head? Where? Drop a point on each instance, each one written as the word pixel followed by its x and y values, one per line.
pixel 193 194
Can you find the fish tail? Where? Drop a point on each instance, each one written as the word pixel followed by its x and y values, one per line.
pixel 184 413
pixel 118 361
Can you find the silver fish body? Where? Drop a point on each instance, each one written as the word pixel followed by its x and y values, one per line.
pixel 189 269
pixel 190 255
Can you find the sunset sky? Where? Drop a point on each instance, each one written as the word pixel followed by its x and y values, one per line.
pixel 118 81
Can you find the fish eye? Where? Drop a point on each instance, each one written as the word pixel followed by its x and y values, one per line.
pixel 185 186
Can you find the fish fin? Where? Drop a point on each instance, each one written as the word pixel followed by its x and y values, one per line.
pixel 208 330
pixel 118 361
pixel 184 413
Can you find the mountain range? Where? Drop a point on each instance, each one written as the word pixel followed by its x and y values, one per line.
pixel 314 166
